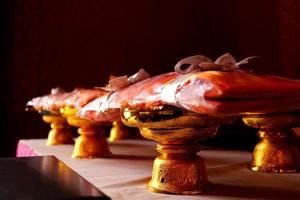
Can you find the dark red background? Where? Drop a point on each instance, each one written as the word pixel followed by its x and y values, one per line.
pixel 70 43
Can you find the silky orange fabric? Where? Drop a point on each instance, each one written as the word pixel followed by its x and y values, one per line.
pixel 209 92
pixel 106 107
pixel 83 96
pixel 50 102
pixel 76 98
pixel 244 85
pixel 236 92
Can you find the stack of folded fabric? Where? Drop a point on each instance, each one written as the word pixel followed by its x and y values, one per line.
pixel 58 98
pixel 51 102
pixel 205 87
pixel 83 96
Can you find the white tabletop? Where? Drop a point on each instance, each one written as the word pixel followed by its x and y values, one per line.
pixel 125 175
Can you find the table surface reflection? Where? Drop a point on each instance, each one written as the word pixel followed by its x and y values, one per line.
pixel 43 177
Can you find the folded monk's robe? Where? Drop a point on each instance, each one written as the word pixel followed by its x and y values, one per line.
pixel 58 98
pixel 49 102
pixel 217 92
pixel 208 92
pixel 83 96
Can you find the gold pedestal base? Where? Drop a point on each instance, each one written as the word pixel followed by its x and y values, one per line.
pixel 91 144
pixel 60 132
pixel 118 132
pixel 178 170
pixel 278 151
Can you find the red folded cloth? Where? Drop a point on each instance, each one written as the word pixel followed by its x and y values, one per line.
pixel 59 98
pixel 208 92
pixel 217 92
pixel 106 108
pixel 49 102
pixel 83 96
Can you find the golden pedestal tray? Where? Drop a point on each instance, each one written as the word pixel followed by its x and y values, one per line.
pixel 118 132
pixel 278 150
pixel 60 132
pixel 91 142
pixel 178 169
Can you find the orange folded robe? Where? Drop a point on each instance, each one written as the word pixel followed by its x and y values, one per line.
pixel 59 98
pixel 217 92
pixel 208 92
pixel 83 96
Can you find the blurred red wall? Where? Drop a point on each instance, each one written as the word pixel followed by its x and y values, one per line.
pixel 71 43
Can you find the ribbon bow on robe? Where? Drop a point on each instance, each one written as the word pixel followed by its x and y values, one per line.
pixel 121 82
pixel 225 62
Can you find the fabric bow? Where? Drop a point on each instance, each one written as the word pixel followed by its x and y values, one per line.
pixel 121 82
pixel 225 62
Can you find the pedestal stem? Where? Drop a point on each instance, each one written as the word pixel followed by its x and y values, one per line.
pixel 60 132
pixel 91 143
pixel 276 152
pixel 118 131
pixel 178 170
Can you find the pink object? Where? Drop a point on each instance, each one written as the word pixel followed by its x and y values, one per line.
pixel 23 150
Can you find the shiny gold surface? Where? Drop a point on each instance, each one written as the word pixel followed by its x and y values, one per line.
pixel 60 132
pixel 178 169
pixel 91 142
pixel 118 132
pixel 168 117
pixel 179 134
pixel 278 150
